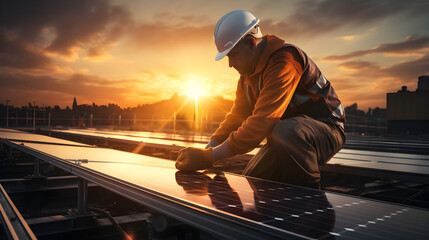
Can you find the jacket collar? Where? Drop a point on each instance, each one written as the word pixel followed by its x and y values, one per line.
pixel 272 44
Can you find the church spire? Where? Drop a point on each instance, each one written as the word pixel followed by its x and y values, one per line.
pixel 74 104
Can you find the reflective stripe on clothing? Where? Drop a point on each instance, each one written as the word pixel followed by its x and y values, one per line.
pixel 320 83
pixel 299 99
pixel 338 112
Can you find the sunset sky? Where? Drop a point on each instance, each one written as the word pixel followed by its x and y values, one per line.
pixel 136 52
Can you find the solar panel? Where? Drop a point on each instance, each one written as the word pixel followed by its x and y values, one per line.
pixel 373 155
pixel 9 130
pixel 142 138
pixel 400 166
pixel 279 209
pixel 135 138
pixel 389 144
pixel 344 154
pixel 24 136
pixel 307 212
pixel 158 135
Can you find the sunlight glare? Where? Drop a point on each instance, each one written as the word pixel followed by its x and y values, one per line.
pixel 194 90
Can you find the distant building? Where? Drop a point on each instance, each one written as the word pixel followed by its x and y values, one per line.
pixel 408 112
pixel 74 105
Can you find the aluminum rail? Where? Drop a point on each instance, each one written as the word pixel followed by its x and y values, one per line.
pixel 13 223
pixel 217 223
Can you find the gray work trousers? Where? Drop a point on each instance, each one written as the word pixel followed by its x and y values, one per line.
pixel 299 145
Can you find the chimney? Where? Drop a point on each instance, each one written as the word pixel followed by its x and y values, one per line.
pixel 403 89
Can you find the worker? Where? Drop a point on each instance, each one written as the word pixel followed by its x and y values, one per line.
pixel 282 96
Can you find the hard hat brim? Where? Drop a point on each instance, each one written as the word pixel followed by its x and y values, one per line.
pixel 221 55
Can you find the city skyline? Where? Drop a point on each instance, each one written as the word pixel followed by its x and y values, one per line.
pixel 134 52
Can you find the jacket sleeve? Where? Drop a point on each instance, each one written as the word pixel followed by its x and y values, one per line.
pixel 280 79
pixel 239 112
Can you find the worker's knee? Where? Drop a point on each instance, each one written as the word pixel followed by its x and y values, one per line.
pixel 286 129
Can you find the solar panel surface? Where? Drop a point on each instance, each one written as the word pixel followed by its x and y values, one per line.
pixel 267 205
pixel 14 134
pixel 347 154
pixel 144 138
pixel 402 163
pixel 185 137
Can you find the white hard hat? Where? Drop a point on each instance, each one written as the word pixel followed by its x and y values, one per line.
pixel 231 28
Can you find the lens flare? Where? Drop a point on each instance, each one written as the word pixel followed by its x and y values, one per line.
pixel 194 90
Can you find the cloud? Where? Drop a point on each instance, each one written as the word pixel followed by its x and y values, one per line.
pixel 358 66
pixel 375 80
pixel 312 18
pixel 410 69
pixel 403 71
pixel 75 24
pixel 15 53
pixel 371 82
pixel 169 17
pixel 410 46
pixel 86 87
pixel 165 36
pixel 145 88
pixel 349 37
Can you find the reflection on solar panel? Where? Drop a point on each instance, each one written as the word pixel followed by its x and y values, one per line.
pixel 399 166
pixel 161 138
pixel 30 137
pixel 159 135
pixel 275 210
pixel 134 138
pixel 308 212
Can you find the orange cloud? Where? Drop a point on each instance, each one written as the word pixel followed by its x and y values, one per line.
pixel 162 36
pixel 316 18
pixel 349 37
pixel 72 25
pixel 16 53
pixel 413 45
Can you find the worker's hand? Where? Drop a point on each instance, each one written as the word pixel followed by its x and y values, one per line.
pixel 192 159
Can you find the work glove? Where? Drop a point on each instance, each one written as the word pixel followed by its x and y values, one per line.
pixel 192 159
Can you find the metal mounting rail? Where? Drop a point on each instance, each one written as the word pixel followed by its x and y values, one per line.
pixel 220 224
pixel 13 223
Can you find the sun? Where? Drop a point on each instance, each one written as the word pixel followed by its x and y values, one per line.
pixel 194 90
